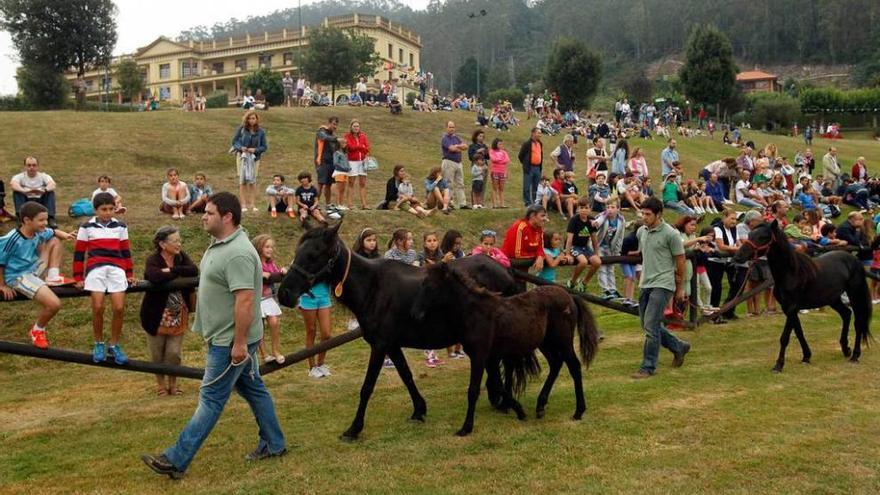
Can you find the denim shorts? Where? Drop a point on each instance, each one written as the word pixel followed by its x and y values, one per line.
pixel 577 251
pixel 629 271
pixel 321 299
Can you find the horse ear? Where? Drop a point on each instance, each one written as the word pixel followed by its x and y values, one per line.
pixel 332 230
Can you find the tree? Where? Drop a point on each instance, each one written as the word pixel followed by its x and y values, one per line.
pixel 638 88
pixel 499 77
pixel 129 78
pixel 59 35
pixel 336 57
pixel 573 72
pixel 709 72
pixel 41 86
pixel 268 81
pixel 466 78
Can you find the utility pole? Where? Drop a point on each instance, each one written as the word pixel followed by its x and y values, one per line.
pixel 479 15
pixel 299 53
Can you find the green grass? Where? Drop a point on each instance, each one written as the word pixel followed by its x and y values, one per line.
pixel 722 423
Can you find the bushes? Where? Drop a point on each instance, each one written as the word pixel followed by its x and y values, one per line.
pixel 42 87
pixel 514 95
pixel 773 110
pixel 827 100
pixel 217 99
pixel 269 82
pixel 410 98
pixel 12 103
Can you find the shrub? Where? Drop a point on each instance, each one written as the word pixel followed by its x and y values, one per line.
pixel 11 103
pixel 773 110
pixel 42 87
pixel 410 98
pixel 217 99
pixel 269 82
pixel 96 106
pixel 515 95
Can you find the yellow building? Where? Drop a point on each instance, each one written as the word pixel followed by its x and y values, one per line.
pixel 172 69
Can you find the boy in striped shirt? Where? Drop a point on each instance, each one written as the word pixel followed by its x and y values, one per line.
pixel 102 265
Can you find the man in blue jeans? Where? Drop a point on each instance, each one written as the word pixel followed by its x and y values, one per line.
pixel 663 268
pixel 231 324
pixel 531 157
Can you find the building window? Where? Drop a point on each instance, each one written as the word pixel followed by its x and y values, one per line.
pixel 106 82
pixel 217 68
pixel 164 93
pixel 266 61
pixel 90 83
pixel 241 64
pixel 164 71
pixel 390 51
pixel 400 55
pixel 411 60
pixel 143 71
pixel 288 58
pixel 189 68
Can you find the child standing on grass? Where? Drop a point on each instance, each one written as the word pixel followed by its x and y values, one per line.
pixel 487 247
pixel 26 254
pixel 612 230
pixel 450 246
pixel 431 251
pixel 307 198
pixel 102 265
pixel 553 256
pixel 315 309
pixel 704 284
pixel 479 171
pixel 279 196
pixel 265 246
pixel 104 186
pixel 631 271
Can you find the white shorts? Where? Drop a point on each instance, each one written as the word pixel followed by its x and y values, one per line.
pixel 107 278
pixel 269 307
pixel 357 168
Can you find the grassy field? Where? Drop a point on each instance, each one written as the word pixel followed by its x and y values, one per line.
pixel 722 423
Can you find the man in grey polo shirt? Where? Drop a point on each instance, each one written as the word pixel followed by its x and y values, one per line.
pixel 663 267
pixel 229 319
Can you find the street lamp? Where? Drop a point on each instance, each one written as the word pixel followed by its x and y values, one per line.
pixel 479 15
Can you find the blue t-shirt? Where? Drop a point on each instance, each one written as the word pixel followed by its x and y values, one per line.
pixel 18 254
pixel 548 273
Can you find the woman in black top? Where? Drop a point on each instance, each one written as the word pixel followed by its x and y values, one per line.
pixel 391 189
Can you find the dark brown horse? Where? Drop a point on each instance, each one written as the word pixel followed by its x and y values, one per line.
pixel 801 282
pixel 509 329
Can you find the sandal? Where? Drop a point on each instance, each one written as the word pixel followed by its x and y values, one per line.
pixel 161 392
pixel 279 358
pixel 176 391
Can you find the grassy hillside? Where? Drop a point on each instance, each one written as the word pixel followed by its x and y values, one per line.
pixel 722 423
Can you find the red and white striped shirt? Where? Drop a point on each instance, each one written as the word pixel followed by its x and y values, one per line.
pixel 101 245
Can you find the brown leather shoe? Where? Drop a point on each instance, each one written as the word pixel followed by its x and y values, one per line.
pixel 639 375
pixel 678 359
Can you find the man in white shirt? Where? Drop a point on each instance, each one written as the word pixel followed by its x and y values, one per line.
pixel 362 89
pixel 33 185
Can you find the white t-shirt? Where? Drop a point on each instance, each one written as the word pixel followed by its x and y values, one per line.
pixel 361 87
pixel 40 181
pixel 109 190
pixel 742 189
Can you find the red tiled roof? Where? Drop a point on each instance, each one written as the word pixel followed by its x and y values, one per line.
pixel 754 75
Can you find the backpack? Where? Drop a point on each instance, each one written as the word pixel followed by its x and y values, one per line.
pixel 81 208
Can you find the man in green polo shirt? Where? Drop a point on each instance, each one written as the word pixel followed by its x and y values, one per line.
pixel 229 320
pixel 663 267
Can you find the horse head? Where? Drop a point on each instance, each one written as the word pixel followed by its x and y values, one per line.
pixel 433 293
pixel 315 257
pixel 761 240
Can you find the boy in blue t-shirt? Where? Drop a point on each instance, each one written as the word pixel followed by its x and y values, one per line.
pixel 28 253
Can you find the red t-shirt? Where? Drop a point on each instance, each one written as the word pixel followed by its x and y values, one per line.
pixel 523 241
pixel 557 186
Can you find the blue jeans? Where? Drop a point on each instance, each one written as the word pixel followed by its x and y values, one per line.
pixel 246 380
pixel 531 180
pixel 680 207
pixel 47 200
pixel 751 203
pixel 652 303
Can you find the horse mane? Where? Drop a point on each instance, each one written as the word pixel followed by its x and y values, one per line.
pixel 803 268
pixel 471 285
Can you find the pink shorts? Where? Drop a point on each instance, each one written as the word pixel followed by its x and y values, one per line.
pixel 499 176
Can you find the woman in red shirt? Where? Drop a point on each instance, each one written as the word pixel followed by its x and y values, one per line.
pixel 358 147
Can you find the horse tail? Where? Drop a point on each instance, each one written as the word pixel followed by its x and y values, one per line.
pixel 520 369
pixel 588 332
pixel 860 301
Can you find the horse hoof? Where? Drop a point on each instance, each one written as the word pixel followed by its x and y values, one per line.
pixel 777 369
pixel 805 361
pixel 463 432
pixel 539 413
pixel 847 352
pixel 417 418
pixel 854 360
pixel 577 416
pixel 348 437
pixel 522 417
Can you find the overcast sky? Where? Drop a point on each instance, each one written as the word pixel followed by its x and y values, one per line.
pixel 136 30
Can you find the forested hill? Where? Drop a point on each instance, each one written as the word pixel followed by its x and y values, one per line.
pixel 516 34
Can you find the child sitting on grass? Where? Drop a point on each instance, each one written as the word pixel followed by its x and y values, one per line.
pixel 175 195
pixel 487 247
pixel 102 265
pixel 271 311
pixel 406 199
pixel 104 186
pixel 199 192
pixel 545 194
pixel 279 197
pixel 26 255
pixel 307 199
pixel 400 248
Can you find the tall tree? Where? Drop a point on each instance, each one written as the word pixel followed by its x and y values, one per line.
pixel 573 72
pixel 129 78
pixel 466 78
pixel 336 57
pixel 61 35
pixel 268 82
pixel 709 72
pixel 41 86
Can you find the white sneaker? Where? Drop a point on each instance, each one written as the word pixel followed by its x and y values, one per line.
pixel 255 209
pixel 353 324
pixel 315 373
pixel 325 371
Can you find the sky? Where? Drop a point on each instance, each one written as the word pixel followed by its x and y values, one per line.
pixel 135 30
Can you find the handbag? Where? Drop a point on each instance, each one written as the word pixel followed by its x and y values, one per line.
pixel 370 164
pixel 340 162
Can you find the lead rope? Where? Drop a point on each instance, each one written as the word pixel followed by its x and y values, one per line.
pixel 338 289
pixel 231 365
